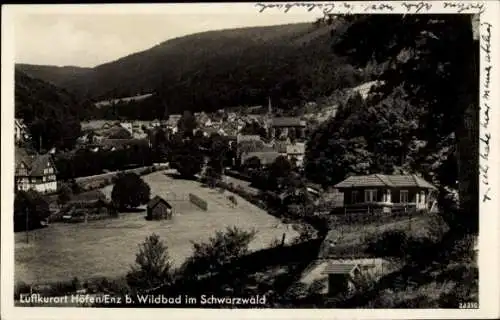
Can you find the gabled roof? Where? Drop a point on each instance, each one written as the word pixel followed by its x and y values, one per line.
pixel 265 157
pixel 288 122
pixel 339 268
pixel 21 155
pixel 40 163
pixel 35 164
pixel 380 180
pixel 248 137
pixel 122 142
pixel 155 201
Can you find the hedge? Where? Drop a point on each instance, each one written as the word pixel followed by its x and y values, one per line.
pixel 199 202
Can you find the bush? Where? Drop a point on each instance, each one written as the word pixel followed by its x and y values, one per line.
pixel 388 244
pixel 153 266
pixel 30 209
pixel 21 288
pixel 64 195
pixel 64 287
pixel 224 247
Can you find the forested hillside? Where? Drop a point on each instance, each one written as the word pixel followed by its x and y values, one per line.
pixel 216 69
pixel 52 115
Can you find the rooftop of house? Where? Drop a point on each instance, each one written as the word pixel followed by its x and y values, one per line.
pixel 339 268
pixel 381 180
pixel 20 123
pixel 248 137
pixel 35 164
pixel 288 122
pixel 265 157
pixel 155 201
pixel 121 142
pixel 296 148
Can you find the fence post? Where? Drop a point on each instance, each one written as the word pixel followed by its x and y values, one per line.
pixel 409 217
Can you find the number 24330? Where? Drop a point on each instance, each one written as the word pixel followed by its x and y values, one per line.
pixel 468 305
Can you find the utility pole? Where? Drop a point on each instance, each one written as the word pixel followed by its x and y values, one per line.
pixel 27 225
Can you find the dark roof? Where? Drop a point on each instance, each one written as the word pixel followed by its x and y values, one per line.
pixel 121 142
pixel 35 163
pixel 287 122
pixel 380 180
pixel 250 146
pixel 339 268
pixel 265 157
pixel 40 163
pixel 155 201
pixel 21 155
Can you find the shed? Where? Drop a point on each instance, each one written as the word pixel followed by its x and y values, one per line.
pixel 159 209
pixel 342 277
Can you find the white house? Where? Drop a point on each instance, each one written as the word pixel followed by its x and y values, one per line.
pixel 295 152
pixel 127 126
pixel 20 133
pixel 35 172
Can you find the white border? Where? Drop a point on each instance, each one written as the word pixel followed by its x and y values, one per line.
pixel 488 239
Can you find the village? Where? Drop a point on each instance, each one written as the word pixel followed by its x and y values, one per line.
pixel 359 203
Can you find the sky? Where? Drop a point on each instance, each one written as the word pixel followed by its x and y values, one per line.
pixel 88 38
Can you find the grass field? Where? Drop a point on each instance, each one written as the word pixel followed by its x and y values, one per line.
pixel 108 247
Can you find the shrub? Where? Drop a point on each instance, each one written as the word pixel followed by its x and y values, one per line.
pixel 224 247
pixel 153 266
pixel 64 287
pixel 388 244
pixel 21 288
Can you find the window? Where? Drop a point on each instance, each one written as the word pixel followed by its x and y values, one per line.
pixel 371 195
pixel 403 196
pixel 354 196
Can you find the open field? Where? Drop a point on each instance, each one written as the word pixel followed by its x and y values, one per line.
pixel 108 247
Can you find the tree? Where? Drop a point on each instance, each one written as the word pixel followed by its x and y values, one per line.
pixel 212 176
pixel 64 195
pixel 224 247
pixel 187 159
pixel 30 209
pixel 129 191
pixel 159 144
pixel 152 265
pixel 279 170
pixel 187 123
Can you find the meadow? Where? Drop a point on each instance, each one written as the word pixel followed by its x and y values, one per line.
pixel 108 247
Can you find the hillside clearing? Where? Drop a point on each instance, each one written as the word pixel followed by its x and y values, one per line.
pixel 108 247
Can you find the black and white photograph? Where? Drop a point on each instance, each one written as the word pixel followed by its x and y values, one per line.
pixel 333 155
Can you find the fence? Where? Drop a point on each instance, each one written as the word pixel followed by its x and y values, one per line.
pixel 199 202
pixel 372 214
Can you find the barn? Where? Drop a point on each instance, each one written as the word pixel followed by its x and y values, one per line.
pixel 158 209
